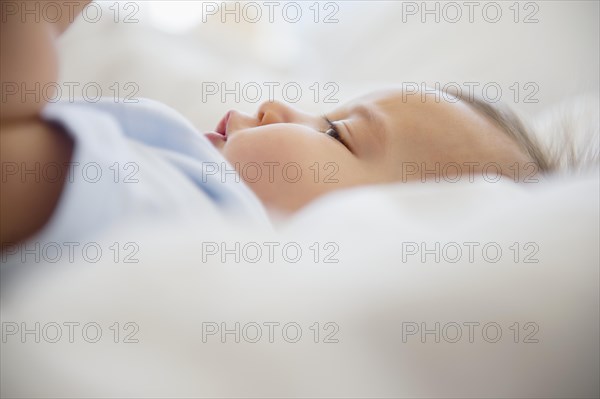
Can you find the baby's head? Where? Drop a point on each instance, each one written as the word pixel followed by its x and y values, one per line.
pixel 289 157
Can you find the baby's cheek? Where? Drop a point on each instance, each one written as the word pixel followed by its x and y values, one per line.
pixel 246 148
pixel 289 169
pixel 266 147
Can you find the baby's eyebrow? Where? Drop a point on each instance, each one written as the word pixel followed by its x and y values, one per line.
pixel 372 118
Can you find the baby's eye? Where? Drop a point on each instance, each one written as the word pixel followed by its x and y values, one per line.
pixel 333 131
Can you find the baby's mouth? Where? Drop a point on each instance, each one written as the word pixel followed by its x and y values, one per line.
pixel 217 140
pixel 219 136
pixel 222 126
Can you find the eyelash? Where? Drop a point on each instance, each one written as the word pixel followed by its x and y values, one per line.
pixel 333 131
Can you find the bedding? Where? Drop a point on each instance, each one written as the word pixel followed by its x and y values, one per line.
pixel 378 303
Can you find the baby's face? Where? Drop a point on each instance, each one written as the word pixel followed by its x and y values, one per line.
pixel 289 157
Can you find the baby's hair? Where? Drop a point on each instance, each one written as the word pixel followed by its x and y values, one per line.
pixel 505 118
pixel 570 130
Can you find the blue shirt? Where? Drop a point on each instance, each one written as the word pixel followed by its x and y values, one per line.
pixel 142 161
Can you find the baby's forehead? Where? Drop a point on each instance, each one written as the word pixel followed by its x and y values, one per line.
pixel 395 98
pixel 394 111
pixel 396 105
pixel 431 113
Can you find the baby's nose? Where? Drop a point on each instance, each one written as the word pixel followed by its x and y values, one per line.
pixel 273 112
pixel 278 112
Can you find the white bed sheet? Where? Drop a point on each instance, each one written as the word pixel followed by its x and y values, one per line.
pixel 368 294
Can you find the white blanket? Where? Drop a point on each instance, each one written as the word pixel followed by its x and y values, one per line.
pixel 376 301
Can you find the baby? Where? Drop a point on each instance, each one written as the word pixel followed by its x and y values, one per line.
pixel 384 137
pixel 286 158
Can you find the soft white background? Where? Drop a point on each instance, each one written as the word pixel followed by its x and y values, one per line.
pixel 170 51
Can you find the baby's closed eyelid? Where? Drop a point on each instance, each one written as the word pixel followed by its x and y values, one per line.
pixel 348 136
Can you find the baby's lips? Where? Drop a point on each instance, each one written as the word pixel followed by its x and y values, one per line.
pixel 222 126
pixel 215 138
